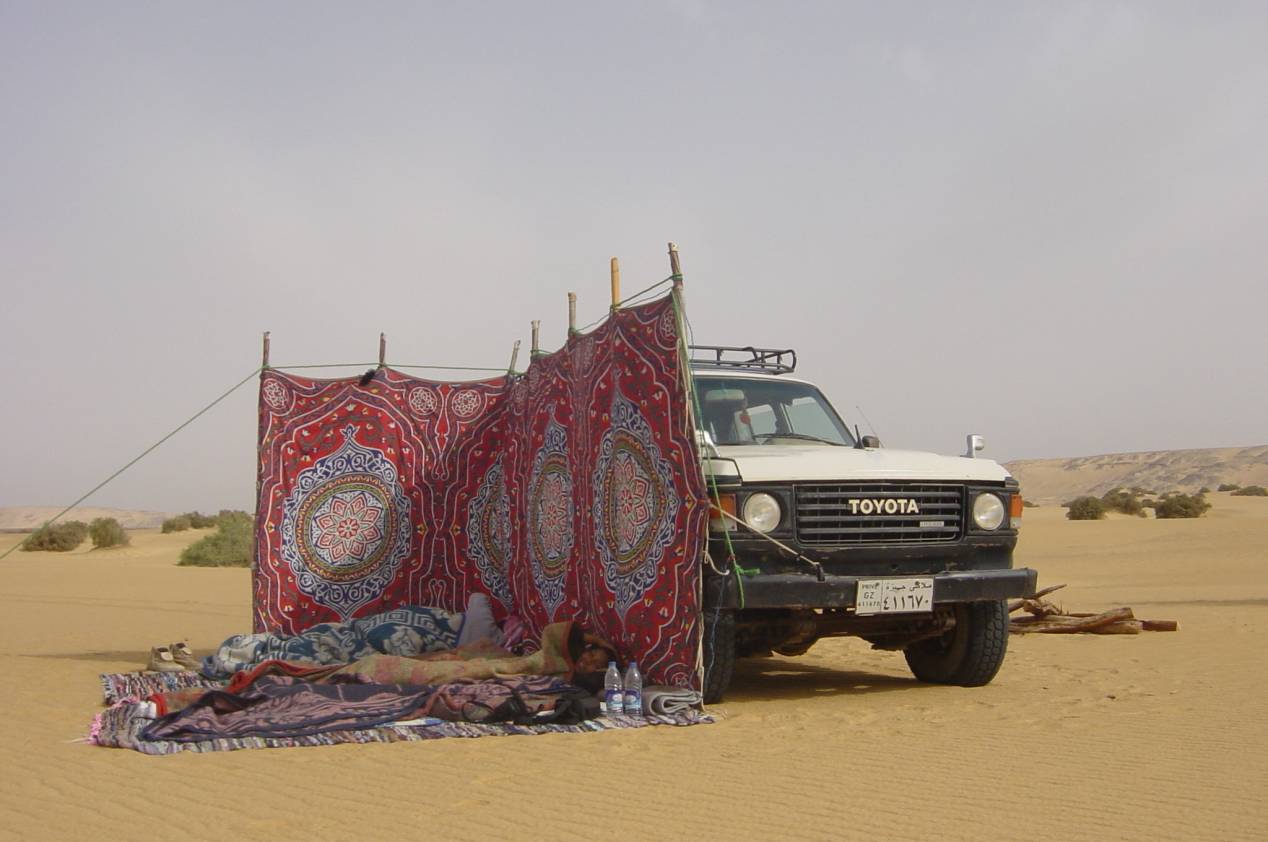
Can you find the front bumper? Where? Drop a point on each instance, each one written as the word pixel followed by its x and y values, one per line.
pixel 803 590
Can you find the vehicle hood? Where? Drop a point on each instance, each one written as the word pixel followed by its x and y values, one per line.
pixel 817 463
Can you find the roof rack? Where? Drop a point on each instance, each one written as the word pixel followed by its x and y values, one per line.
pixel 775 360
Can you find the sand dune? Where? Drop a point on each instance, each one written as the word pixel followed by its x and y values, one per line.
pixel 1053 481
pixel 27 518
pixel 1159 736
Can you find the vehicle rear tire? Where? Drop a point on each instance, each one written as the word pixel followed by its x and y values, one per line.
pixel 719 652
pixel 970 654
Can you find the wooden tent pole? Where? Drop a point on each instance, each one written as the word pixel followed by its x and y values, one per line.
pixel 616 283
pixel 382 349
pixel 675 268
pixel 515 353
pixel 265 363
pixel 537 348
pixel 572 313
pixel 675 272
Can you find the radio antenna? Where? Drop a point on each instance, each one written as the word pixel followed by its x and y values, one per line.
pixel 868 420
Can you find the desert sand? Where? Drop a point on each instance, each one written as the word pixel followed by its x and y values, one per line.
pixel 1156 736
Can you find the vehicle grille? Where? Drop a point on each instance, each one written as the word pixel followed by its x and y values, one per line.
pixel 918 514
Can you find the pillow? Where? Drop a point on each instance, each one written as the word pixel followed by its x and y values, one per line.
pixel 477 623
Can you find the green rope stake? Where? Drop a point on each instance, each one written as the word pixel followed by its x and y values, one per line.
pixel 144 453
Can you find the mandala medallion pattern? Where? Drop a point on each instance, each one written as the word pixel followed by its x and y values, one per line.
pixel 667 329
pixel 634 504
pixel 275 395
pixel 466 404
pixel 349 525
pixel 423 400
pixel 489 532
pixel 551 519
pixel 346 527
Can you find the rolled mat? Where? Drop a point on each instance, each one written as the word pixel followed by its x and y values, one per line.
pixel 661 700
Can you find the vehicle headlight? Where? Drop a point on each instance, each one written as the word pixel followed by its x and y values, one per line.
pixel 988 511
pixel 761 511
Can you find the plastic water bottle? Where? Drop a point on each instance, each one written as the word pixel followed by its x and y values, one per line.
pixel 633 690
pixel 613 695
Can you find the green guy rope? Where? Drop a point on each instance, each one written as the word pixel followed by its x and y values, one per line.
pixel 376 365
pixel 685 361
pixel 654 286
pixel 147 451
pixel 625 301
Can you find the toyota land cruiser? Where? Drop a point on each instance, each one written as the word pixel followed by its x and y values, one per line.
pixel 817 531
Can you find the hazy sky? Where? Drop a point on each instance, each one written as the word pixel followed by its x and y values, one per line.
pixel 1042 222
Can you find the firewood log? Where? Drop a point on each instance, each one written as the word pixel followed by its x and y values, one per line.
pixel 1019 603
pixel 1119 627
pixel 1065 624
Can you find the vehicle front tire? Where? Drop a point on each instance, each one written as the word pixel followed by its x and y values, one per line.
pixel 719 652
pixel 970 654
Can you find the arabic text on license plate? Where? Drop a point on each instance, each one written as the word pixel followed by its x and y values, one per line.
pixel 894 596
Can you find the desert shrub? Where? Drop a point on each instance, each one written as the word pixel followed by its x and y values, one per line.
pixel 1122 500
pixel 1204 490
pixel 1141 492
pixel 106 532
pixel 235 517
pixel 1228 486
pixel 1182 505
pixel 1029 504
pixel 1251 491
pixel 1085 508
pixel 198 520
pixel 177 524
pixel 57 537
pixel 1148 504
pixel 229 546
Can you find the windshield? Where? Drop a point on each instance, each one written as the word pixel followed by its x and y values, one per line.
pixel 739 411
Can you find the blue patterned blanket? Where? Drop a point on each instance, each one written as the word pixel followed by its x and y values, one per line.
pixel 407 631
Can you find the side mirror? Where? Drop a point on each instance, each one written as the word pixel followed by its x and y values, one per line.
pixel 705 442
pixel 870 441
pixel 976 444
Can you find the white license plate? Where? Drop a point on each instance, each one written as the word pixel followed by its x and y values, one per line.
pixel 894 596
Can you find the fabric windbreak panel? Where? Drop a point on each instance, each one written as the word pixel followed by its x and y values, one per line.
pixel 572 492
pixel 350 480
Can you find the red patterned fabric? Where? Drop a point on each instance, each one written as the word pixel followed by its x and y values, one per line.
pixel 569 493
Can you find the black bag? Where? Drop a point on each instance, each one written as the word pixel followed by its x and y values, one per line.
pixel 567 707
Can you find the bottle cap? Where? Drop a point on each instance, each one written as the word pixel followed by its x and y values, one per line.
pixel 611 663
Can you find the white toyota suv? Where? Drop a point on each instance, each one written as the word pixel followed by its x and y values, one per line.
pixel 818 531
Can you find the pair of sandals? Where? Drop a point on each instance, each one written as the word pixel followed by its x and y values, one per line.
pixel 175 657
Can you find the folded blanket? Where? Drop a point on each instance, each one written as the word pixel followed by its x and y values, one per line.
pixel 667 701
